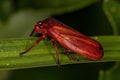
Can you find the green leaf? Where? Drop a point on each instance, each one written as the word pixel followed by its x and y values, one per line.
pixel 44 53
pixel 55 6
pixel 110 74
pixel 112 11
pixel 52 7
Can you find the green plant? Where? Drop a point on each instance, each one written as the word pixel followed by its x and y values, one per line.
pixel 91 17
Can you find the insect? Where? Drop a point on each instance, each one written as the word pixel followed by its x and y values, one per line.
pixel 69 38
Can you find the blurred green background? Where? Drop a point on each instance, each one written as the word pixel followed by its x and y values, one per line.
pixel 91 17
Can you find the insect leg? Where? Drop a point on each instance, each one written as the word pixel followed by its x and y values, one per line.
pixel 70 56
pixel 57 54
pixel 32 32
pixel 34 44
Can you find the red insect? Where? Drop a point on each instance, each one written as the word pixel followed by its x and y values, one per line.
pixel 69 38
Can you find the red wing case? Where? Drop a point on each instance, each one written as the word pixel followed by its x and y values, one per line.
pixel 76 42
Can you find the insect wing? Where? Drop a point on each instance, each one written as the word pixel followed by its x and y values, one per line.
pixel 77 42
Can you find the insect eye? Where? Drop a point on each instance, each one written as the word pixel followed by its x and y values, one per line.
pixel 40 24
